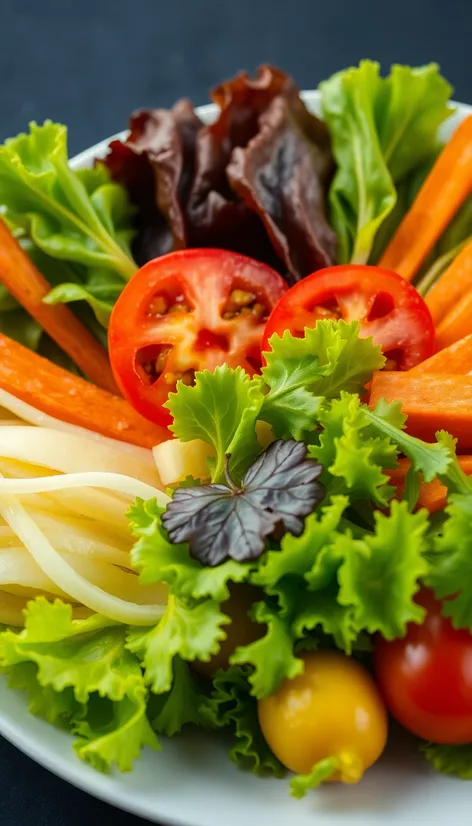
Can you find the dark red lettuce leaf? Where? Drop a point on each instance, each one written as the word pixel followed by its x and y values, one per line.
pixel 254 181
pixel 279 175
pixel 156 165
pixel 263 120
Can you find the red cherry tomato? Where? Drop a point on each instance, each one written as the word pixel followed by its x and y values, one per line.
pixel 189 310
pixel 426 678
pixel 388 308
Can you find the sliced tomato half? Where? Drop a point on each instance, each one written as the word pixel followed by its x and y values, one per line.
pixel 187 311
pixel 388 308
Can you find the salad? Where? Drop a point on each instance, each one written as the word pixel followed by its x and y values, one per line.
pixel 236 429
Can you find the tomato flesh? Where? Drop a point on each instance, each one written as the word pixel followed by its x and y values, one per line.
pixel 388 308
pixel 426 677
pixel 187 311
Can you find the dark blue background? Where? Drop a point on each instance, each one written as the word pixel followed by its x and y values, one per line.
pixel 89 63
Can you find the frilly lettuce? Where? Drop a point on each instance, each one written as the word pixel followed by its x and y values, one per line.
pixel 79 673
pixel 183 705
pixel 192 630
pixel 230 704
pixel 301 372
pixel 226 420
pixel 451 562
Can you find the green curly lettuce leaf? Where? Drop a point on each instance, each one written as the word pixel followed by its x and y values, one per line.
pixel 232 705
pixel 271 656
pixel 57 708
pixel 281 573
pixel 379 579
pixel 451 562
pixel 358 585
pixel 180 706
pixel 221 409
pixel 300 372
pixel 191 630
pixel 436 460
pixel 114 733
pixel 74 216
pixel 78 673
pixel 353 456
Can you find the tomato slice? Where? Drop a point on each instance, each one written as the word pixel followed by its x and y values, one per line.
pixel 187 311
pixel 426 677
pixel 388 308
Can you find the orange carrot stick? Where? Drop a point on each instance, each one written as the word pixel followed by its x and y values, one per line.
pixel 456 324
pixel 455 359
pixel 455 281
pixel 432 402
pixel 447 186
pixel 433 495
pixel 61 394
pixel 25 282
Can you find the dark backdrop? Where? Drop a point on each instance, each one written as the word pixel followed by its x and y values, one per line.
pixel 88 63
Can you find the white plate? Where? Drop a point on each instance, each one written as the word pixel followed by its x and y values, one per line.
pixel 193 783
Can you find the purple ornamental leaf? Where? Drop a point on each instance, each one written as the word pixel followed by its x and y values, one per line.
pixel 221 522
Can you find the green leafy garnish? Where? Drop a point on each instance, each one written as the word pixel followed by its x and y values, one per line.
pixel 57 708
pixel 452 760
pixel 281 572
pixel 272 655
pixel 382 129
pixel 437 460
pixel 180 706
pixel 353 455
pixel 191 630
pixel 79 673
pixel 221 409
pixel 115 732
pixel 301 372
pixel 451 562
pixel 380 575
pixel 80 218
pixel 231 704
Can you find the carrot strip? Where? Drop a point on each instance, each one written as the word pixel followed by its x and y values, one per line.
pixel 447 186
pixel 456 324
pixel 431 402
pixel 61 394
pixel 29 287
pixel 455 359
pixel 432 495
pixel 455 281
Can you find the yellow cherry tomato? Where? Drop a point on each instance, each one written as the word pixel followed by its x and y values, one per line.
pixel 333 709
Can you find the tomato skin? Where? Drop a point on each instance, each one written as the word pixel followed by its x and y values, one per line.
pixel 426 677
pixel 333 709
pixel 388 308
pixel 173 319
